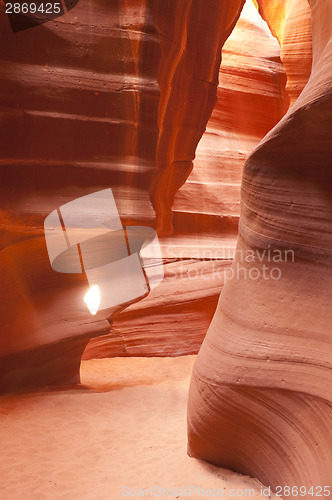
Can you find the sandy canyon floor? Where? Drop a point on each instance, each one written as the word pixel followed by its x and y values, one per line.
pixel 121 435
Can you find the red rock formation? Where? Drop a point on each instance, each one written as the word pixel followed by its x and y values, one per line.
pixel 260 397
pixel 90 101
pixel 251 100
pixel 290 22
pixel 99 107
pixel 188 80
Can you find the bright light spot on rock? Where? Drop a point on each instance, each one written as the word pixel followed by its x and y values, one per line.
pixel 92 299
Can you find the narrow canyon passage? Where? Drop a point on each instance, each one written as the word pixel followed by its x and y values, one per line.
pixel 260 394
pixel 191 139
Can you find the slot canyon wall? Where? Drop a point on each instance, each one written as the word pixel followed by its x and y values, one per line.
pixel 260 399
pixel 90 101
pixel 290 23
pixel 251 99
pixel 119 96
pixel 130 95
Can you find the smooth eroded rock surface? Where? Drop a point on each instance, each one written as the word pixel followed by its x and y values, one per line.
pixel 260 397
pixel 110 95
pixel 251 100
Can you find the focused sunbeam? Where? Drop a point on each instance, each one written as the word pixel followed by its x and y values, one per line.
pixel 92 299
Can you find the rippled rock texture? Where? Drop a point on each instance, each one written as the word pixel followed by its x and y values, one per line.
pixel 109 95
pixel 290 23
pixel 251 100
pixel 260 399
pixel 118 95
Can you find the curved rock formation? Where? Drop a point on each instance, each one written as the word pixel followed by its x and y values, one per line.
pixel 89 101
pixel 290 23
pixel 251 100
pixel 260 398
pixel 188 80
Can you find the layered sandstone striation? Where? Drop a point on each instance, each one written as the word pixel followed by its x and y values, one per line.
pixel 290 23
pixel 90 101
pixel 251 100
pixel 119 96
pixel 188 78
pixel 260 399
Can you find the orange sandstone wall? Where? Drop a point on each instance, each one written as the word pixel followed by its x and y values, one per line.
pixel 113 94
pixel 174 318
pixel 290 23
pixel 260 396
pixel 118 96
